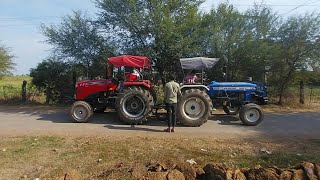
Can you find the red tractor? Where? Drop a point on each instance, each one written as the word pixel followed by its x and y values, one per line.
pixel 130 93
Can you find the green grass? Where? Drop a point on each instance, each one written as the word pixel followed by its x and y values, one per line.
pixel 11 89
pixel 11 86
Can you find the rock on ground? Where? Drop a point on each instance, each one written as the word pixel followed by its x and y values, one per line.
pixel 187 170
pixel 175 175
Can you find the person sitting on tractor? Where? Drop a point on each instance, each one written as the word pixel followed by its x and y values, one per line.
pixel 191 77
pixel 133 75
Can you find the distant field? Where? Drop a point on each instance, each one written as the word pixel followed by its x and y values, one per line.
pixel 11 88
pixel 14 81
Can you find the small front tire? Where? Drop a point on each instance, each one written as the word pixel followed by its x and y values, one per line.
pixel 251 114
pixel 80 112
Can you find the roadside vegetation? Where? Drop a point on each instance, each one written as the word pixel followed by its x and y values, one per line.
pixel 11 89
pixel 10 93
pixel 6 61
pixel 258 42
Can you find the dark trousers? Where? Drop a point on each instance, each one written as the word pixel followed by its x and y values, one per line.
pixel 171 114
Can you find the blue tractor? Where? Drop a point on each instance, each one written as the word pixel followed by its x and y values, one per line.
pixel 198 99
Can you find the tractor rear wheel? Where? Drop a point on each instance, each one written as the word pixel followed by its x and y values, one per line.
pixel 194 107
pixel 231 110
pixel 80 111
pixel 251 114
pixel 134 105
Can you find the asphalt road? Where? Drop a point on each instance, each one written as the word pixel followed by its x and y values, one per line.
pixel 40 120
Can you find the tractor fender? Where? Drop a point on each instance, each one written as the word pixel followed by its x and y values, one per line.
pixel 195 86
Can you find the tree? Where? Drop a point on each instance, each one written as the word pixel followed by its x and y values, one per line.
pixel 77 40
pixel 53 77
pixel 239 39
pixel 297 40
pixel 160 29
pixel 6 61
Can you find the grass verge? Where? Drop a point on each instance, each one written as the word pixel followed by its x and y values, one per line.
pixel 49 157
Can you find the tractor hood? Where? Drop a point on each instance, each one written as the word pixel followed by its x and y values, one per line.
pixel 131 61
pixel 198 63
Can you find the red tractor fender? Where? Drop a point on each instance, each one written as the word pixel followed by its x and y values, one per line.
pixel 145 83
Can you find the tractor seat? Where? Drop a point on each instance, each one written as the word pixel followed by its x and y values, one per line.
pixel 132 77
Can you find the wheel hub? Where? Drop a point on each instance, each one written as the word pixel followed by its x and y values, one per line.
pixel 133 106
pixel 194 108
pixel 79 113
pixel 252 115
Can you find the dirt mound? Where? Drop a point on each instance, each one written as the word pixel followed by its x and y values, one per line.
pixel 214 171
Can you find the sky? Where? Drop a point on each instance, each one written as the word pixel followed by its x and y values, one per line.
pixel 20 22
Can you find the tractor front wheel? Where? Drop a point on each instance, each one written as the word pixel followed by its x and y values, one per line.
pixel 80 111
pixel 251 114
pixel 194 107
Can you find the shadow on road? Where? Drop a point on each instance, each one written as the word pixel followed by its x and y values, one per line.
pixel 226 119
pixel 63 117
pixel 132 128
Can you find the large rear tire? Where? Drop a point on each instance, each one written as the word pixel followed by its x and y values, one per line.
pixel 80 111
pixel 134 105
pixel 251 114
pixel 194 107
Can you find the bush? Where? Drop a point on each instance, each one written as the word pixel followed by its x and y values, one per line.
pixel 52 77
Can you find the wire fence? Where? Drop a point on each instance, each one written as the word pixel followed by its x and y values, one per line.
pixel 292 95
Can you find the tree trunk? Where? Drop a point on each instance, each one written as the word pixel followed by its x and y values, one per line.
pixel 74 81
pixel 48 95
pixel 88 66
pixel 281 95
pixel 301 92
pixel 283 86
pixel 163 79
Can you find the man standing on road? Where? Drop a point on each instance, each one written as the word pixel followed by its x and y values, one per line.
pixel 171 93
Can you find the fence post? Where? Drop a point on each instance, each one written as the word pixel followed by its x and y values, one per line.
pixel 24 91
pixel 311 94
pixel 301 92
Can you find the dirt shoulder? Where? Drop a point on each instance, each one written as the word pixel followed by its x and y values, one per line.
pixel 48 157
